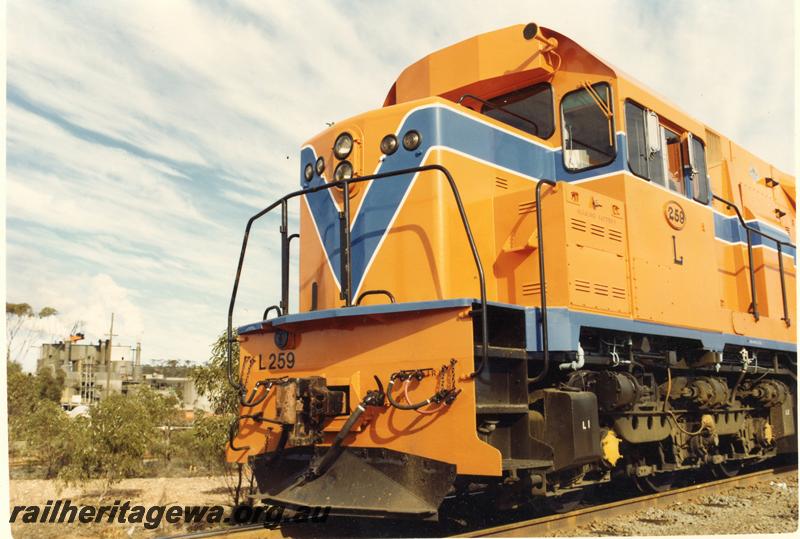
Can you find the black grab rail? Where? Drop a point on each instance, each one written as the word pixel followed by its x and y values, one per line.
pixel 750 230
pixel 542 283
pixel 345 239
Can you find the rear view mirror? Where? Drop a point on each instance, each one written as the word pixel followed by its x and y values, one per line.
pixel 653 133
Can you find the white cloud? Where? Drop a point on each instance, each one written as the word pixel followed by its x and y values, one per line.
pixel 140 140
pixel 88 303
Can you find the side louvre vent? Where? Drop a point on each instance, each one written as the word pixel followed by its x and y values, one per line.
pixel 577 224
pixel 501 183
pixel 599 231
pixel 601 289
pixel 583 286
pixel 531 289
pixel 527 207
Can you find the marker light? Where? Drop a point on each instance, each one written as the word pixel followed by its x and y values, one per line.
pixel 343 171
pixel 411 140
pixel 343 145
pixel 320 166
pixel 281 338
pixel 308 172
pixel 389 144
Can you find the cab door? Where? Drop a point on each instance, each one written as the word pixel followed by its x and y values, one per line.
pixel 671 234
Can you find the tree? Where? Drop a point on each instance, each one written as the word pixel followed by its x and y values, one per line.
pixel 26 390
pixel 207 444
pixel 16 316
pixel 22 397
pixel 211 379
pixel 49 386
pixel 52 436
pixel 163 411
pixel 47 311
pixel 119 432
pixel 211 433
pixel 21 322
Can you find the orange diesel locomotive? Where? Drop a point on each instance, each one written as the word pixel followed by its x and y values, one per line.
pixel 525 274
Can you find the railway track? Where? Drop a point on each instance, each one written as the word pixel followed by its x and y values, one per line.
pixel 540 526
pixel 566 521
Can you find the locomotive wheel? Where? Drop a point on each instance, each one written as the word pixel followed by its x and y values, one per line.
pixel 725 470
pixel 654 483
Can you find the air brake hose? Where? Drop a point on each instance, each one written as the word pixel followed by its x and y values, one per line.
pixel 249 403
pixel 233 430
pixel 420 411
pixel 401 406
pixel 263 396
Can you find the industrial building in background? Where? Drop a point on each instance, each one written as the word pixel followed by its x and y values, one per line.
pixel 93 371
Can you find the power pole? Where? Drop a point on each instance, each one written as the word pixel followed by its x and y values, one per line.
pixel 108 356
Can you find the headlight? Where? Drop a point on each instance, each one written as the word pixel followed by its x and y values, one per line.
pixel 320 166
pixel 343 145
pixel 389 144
pixel 343 171
pixel 308 172
pixel 411 140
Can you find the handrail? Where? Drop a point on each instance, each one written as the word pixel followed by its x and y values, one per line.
pixel 275 308
pixel 500 108
pixel 366 293
pixel 285 256
pixel 345 263
pixel 344 185
pixel 730 205
pixel 542 282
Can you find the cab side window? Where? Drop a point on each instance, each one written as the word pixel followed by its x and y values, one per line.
pixel 673 162
pixel 645 157
pixel 659 154
pixel 588 127
pixel 700 184
pixel 534 103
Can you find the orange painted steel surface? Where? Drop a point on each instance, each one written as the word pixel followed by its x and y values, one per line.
pixel 618 245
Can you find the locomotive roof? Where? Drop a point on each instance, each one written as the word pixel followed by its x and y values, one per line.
pixel 480 64
pixel 486 57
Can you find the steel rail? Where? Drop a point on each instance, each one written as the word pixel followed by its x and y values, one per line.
pixel 544 525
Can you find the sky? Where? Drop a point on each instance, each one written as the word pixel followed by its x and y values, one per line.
pixel 141 136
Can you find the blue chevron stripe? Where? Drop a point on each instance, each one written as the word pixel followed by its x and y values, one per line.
pixel 445 127
pixel 439 127
pixel 324 214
